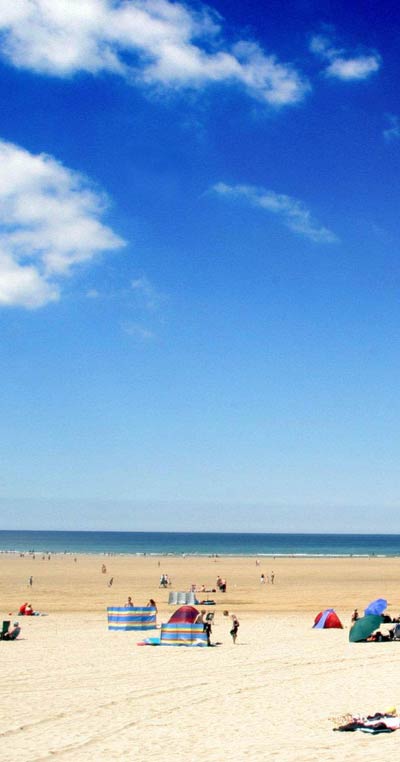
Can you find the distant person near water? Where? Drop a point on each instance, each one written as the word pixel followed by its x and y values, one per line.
pixel 272 577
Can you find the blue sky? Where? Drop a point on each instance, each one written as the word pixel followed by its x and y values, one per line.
pixel 199 271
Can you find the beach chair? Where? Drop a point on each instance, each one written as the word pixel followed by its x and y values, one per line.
pixel 173 599
pixel 181 599
pixel 4 629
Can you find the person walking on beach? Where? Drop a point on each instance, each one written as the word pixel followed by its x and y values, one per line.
pixel 262 579
pixel 30 581
pixel 272 577
pixel 110 584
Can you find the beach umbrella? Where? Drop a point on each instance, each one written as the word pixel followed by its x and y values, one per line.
pixel 364 627
pixel 376 607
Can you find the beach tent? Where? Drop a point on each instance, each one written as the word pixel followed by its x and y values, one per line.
pixel 326 620
pixel 135 618
pixel 186 614
pixel 376 607
pixel 364 627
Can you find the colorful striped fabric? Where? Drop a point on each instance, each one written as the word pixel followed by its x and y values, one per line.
pixel 136 618
pixel 182 634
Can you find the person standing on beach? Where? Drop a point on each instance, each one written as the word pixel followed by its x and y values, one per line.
pixel 110 584
pixel 30 581
pixel 235 625
pixel 272 577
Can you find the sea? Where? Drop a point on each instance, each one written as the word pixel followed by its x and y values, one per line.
pixel 201 544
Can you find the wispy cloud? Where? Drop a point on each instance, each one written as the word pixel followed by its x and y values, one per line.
pixel 343 65
pixel 392 132
pixel 153 42
pixel 50 221
pixel 293 213
pixel 138 331
pixel 148 295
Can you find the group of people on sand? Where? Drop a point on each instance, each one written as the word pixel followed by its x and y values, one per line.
pixel 207 619
pixel 264 579
pixel 150 604
pixel 378 636
pixel 386 619
pixel 201 589
pixel 26 610
pixel 165 580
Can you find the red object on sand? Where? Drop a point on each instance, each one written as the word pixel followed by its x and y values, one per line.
pixel 186 614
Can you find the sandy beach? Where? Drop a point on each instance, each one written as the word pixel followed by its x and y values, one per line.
pixel 79 692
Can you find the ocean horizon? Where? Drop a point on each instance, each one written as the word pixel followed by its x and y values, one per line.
pixel 200 543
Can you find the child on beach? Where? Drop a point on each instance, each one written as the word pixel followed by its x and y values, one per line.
pixel 235 625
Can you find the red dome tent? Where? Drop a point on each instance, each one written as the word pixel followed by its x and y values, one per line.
pixel 326 620
pixel 186 614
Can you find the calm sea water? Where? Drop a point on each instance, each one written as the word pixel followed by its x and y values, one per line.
pixel 193 543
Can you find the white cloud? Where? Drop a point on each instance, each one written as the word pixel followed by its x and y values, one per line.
pixel 156 42
pixel 341 65
pixel 49 222
pixel 292 212
pixel 392 132
pixel 147 293
pixel 138 331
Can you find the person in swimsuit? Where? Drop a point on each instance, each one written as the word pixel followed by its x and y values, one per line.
pixel 235 625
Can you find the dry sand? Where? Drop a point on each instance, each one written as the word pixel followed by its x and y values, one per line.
pixel 73 690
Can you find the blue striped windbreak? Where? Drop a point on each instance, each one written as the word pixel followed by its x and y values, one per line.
pixel 182 634
pixel 135 618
